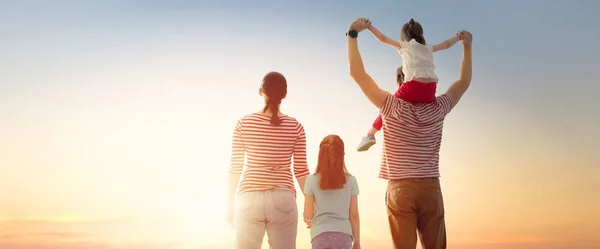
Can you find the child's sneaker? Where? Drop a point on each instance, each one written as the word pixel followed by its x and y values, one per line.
pixel 366 143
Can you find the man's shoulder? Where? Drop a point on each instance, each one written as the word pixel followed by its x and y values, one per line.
pixel 443 97
pixel 440 102
pixel 439 107
pixel 397 106
pixel 444 102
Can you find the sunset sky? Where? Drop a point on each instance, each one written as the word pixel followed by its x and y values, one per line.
pixel 116 116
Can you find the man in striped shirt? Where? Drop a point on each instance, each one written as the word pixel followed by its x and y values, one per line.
pixel 412 134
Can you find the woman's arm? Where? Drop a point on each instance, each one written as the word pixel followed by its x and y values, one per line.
pixel 357 69
pixel 235 168
pixel 299 155
pixel 234 180
pixel 355 220
pixel 446 44
pixel 383 38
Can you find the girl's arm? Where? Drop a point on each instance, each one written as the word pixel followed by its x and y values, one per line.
pixel 355 221
pixel 446 44
pixel 309 202
pixel 309 209
pixel 383 38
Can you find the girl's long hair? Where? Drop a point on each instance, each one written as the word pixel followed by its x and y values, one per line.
pixel 331 164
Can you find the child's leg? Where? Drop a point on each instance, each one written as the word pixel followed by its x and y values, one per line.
pixel 372 132
pixel 376 126
pixel 369 140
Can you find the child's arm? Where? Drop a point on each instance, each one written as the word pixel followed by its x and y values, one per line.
pixel 309 209
pixel 355 220
pixel 446 44
pixel 309 202
pixel 354 217
pixel 383 38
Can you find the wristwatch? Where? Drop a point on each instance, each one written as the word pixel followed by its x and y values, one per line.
pixel 352 33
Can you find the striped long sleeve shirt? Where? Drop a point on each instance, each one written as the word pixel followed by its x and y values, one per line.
pixel 268 152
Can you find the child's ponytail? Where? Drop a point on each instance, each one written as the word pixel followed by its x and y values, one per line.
pixel 413 30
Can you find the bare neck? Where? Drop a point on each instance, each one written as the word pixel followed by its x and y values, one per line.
pixel 269 113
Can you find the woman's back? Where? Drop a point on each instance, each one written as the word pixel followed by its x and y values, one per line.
pixel 269 150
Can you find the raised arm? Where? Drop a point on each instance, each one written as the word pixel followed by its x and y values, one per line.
pixel 446 44
pixel 383 38
pixel 357 69
pixel 299 154
pixel 459 87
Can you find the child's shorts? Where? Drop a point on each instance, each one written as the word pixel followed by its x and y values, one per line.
pixel 414 91
pixel 332 240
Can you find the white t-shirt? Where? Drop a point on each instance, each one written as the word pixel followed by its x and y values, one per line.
pixel 417 60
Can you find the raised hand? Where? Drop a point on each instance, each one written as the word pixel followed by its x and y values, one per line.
pixel 360 24
pixel 465 37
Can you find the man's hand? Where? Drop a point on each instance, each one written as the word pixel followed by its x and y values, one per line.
pixel 465 37
pixel 360 24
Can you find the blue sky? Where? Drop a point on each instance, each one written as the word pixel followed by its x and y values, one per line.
pixel 145 94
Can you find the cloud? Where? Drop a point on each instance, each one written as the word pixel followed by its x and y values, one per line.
pixel 58 218
pixel 526 245
pixel 53 235
pixel 90 245
pixel 83 232
pixel 81 229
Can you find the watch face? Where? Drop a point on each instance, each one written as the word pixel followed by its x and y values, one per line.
pixel 353 33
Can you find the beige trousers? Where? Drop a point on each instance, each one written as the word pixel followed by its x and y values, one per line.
pixel 274 212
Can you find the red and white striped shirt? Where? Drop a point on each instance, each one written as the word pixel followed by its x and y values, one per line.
pixel 269 150
pixel 412 135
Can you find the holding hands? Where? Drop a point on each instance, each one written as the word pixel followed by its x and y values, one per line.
pixel 308 223
pixel 465 37
pixel 360 24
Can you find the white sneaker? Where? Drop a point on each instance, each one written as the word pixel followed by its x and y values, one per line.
pixel 366 143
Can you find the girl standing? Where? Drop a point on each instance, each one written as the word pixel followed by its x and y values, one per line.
pixel 331 200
